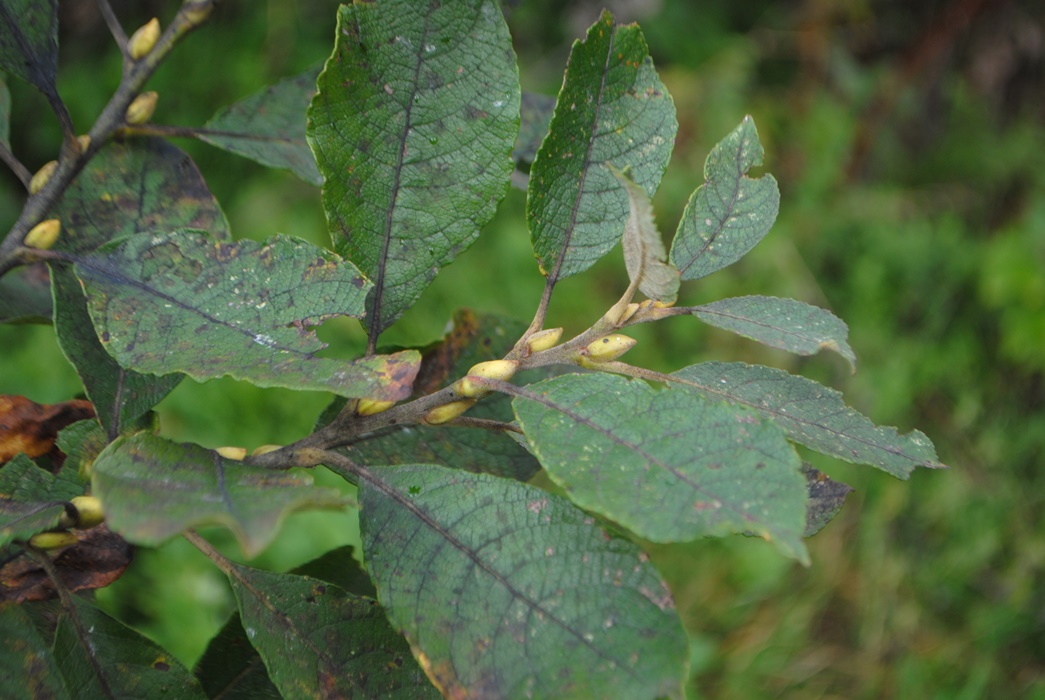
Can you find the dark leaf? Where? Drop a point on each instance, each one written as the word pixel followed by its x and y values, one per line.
pixel 269 127
pixel 153 489
pixel 813 415
pixel 101 658
pixel 320 642
pixel 506 591
pixel 181 302
pixel 340 568
pixel 612 109
pixel 25 295
pixel 231 669
pixel 668 465
pixel 29 41
pixel 121 396
pixel 826 498
pixel 136 186
pixel 413 127
pixel 96 560
pixel 5 113
pixel 27 667
pixel 535 116
pixel 730 213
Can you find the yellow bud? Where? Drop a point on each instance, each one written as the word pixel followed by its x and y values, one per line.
pixel 543 340
pixel 607 348
pixel 142 41
pixel 447 412
pixel 663 304
pixel 629 311
pixel 368 407
pixel 89 511
pixel 265 449
pixel 43 235
pixel 85 142
pixel 42 176
pixel 140 111
pixel 52 540
pixel 234 453
pixel 501 370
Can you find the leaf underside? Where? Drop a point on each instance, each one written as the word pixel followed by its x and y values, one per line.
pixel 29 42
pixel 269 127
pixel 154 489
pixel 780 323
pixel 812 415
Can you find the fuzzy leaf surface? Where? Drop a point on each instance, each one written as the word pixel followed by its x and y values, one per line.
pixel 181 302
pixel 269 127
pixel 668 465
pixel 612 108
pixel 29 41
pixel 780 323
pixel 153 489
pixel 504 590
pixel 812 415
pixel 730 213
pixel 413 128
pixel 319 641
pixel 102 658
pixel 644 254
pixel 26 662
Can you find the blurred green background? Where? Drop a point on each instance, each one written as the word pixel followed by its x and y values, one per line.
pixel 906 138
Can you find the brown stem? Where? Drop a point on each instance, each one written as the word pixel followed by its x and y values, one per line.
pixel 115 28
pixel 20 171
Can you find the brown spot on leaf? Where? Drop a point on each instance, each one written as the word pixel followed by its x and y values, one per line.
pixel 99 558
pixel 30 427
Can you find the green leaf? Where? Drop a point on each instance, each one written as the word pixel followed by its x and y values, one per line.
pixel 668 465
pixel 101 658
pixel 730 213
pixel 269 127
pixel 826 498
pixel 506 591
pixel 780 323
pixel 136 186
pixel 120 396
pixel 181 302
pixel 29 42
pixel 231 669
pixel 812 415
pixel 153 489
pixel 31 500
pixel 26 663
pixel 319 641
pixel 612 108
pixel 473 338
pixel 644 253
pixel 412 128
pixel 81 442
pixel 25 295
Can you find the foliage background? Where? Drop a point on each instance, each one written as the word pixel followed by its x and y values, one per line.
pixel 906 140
